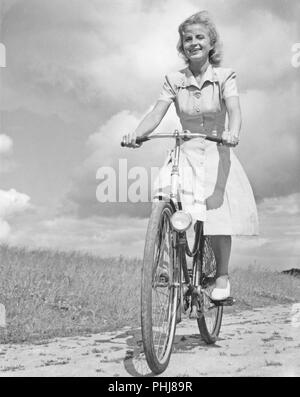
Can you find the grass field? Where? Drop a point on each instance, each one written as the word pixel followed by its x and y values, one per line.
pixel 49 293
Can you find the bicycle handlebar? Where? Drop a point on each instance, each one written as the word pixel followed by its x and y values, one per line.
pixel 185 135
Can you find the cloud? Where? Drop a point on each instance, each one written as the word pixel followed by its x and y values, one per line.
pixel 6 5
pixel 96 235
pixel 4 230
pixel 273 71
pixel 6 144
pixel 11 203
pixel 283 9
pixel 89 53
pixel 270 142
pixel 287 205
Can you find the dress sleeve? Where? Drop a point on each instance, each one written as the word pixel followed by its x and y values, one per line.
pixel 168 93
pixel 229 86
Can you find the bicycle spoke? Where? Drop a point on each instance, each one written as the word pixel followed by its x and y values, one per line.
pixel 161 299
pixel 160 331
pixel 164 333
pixel 210 322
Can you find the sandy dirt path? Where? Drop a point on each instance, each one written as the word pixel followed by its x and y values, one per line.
pixel 259 342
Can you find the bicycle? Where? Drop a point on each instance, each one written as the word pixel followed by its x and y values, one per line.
pixel 169 287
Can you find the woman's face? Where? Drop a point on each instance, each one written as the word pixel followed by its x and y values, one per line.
pixel 196 42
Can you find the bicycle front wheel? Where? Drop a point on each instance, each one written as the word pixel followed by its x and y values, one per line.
pixel 160 288
pixel 210 318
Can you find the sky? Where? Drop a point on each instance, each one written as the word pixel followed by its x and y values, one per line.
pixel 79 74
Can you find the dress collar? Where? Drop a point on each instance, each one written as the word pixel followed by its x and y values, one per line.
pixel 209 75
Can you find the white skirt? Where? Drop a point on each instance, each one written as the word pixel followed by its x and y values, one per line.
pixel 213 188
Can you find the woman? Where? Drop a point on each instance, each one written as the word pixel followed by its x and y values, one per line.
pixel 203 94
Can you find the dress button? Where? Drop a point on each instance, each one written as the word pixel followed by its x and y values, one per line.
pixel 198 109
pixel 197 94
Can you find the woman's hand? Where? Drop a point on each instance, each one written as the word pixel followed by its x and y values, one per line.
pixel 129 140
pixel 230 139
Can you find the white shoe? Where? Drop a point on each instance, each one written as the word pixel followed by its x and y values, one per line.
pixel 219 294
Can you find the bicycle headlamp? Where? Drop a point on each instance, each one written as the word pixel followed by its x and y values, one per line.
pixel 181 221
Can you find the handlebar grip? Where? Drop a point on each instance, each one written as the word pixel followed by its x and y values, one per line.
pixel 214 139
pixel 138 140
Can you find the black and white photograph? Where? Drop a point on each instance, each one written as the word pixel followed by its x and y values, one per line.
pixel 150 191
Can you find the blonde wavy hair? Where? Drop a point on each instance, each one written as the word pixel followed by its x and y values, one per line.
pixel 203 18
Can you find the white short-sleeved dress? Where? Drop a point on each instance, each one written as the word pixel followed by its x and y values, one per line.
pixel 217 189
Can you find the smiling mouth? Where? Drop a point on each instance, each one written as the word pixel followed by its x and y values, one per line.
pixel 195 51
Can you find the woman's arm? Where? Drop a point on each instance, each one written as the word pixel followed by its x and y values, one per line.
pixel 148 124
pixel 152 119
pixel 234 120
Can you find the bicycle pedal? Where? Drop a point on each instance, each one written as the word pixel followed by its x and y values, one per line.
pixel 194 313
pixel 164 279
pixel 225 302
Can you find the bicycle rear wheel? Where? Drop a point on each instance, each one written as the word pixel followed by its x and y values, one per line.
pixel 210 319
pixel 160 288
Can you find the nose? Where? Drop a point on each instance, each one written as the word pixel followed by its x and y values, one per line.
pixel 195 41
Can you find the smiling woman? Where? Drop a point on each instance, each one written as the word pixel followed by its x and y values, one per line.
pixel 204 94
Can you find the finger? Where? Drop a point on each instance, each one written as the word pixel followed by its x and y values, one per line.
pixel 129 140
pixel 226 136
pixel 133 139
pixel 234 140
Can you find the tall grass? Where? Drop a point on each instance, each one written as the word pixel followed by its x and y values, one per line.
pixel 50 293
pixel 253 287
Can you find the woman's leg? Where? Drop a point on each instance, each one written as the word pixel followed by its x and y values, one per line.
pixel 221 246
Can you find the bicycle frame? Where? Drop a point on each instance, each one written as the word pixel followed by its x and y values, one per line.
pixel 191 286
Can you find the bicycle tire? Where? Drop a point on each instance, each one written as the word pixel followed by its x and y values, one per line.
pixel 158 338
pixel 210 317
